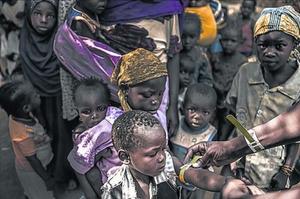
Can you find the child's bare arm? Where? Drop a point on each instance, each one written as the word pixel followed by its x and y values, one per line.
pixel 41 171
pixel 201 178
pixel 86 186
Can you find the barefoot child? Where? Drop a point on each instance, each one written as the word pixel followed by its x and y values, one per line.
pixel 148 169
pixel 30 142
pixel 92 137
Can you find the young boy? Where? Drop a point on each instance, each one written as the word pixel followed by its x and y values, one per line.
pixel 190 35
pixel 198 107
pixel 148 169
pixel 186 77
pixel 226 67
pixel 262 90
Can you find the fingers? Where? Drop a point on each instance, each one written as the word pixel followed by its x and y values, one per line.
pixel 199 148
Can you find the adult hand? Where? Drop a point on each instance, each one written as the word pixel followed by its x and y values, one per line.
pixel 173 120
pixel 214 153
pixel 235 189
pixel 279 181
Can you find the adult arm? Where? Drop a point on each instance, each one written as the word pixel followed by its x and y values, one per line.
pixel 283 129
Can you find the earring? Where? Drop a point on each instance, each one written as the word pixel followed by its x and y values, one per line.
pixel 126 161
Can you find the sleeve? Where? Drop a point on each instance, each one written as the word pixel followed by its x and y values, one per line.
pixel 231 98
pixel 26 146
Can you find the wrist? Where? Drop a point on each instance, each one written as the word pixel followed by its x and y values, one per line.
pixel 287 170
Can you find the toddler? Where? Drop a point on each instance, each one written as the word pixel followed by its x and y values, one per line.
pixel 31 144
pixel 198 107
pixel 186 74
pixel 92 137
pixel 148 170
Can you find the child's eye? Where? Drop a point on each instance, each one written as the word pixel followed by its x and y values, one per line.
pixel 50 16
pixel 152 154
pixel 206 113
pixel 279 46
pixel 101 108
pixel 147 95
pixel 86 111
pixel 192 110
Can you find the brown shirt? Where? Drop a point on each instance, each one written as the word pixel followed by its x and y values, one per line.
pixel 255 103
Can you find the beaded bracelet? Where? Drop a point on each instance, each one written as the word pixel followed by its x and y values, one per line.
pixel 184 167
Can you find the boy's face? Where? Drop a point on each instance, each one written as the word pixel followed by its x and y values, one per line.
pixel 198 111
pixel 187 69
pixel 273 50
pixel 247 8
pixel 96 6
pixel 147 96
pixel 230 41
pixel 190 35
pixel 91 105
pixel 149 158
pixel 43 18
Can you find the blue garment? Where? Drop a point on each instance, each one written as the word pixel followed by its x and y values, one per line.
pixel 124 11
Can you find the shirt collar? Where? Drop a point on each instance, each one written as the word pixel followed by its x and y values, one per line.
pixel 289 88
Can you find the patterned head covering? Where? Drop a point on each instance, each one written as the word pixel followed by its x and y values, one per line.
pixel 284 19
pixel 136 67
pixel 35 2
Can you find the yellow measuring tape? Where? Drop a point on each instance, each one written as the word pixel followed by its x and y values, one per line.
pixel 240 127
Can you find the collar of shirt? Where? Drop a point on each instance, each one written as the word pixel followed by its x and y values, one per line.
pixel 289 88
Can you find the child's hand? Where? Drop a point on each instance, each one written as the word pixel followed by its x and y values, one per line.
pixel 279 181
pixel 234 188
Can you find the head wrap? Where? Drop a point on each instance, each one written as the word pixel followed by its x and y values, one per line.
pixel 35 2
pixel 284 19
pixel 136 67
pixel 39 63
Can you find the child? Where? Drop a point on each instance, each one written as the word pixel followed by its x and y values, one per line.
pixel 247 22
pixel 226 67
pixel 198 107
pixel 186 77
pixel 141 79
pixel 262 90
pixel 92 137
pixel 30 142
pixel 191 32
pixel 41 67
pixel 148 169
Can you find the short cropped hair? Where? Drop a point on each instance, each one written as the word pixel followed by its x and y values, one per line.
pixel 124 134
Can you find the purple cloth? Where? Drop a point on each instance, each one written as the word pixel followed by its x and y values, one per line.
pixel 84 57
pixel 91 142
pixel 124 11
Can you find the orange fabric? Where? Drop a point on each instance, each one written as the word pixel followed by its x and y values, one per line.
pixel 209 25
pixel 22 143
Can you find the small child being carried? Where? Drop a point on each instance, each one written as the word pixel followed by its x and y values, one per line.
pixel 92 137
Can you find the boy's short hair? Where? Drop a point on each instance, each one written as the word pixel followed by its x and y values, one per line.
pixel 194 19
pixel 254 2
pixel 91 82
pixel 124 134
pixel 201 89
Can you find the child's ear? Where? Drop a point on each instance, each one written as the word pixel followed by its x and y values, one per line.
pixel 124 156
pixel 27 108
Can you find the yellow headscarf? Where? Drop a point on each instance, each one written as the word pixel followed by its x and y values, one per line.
pixel 136 67
pixel 284 19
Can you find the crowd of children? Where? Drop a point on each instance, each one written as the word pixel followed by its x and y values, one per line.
pixel 109 95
